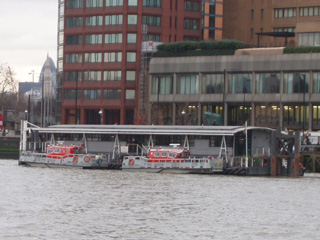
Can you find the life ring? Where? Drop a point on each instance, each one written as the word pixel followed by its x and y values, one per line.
pixel 86 158
pixel 75 159
pixel 131 161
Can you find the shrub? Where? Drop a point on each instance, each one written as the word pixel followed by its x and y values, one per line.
pixel 289 50
pixel 204 48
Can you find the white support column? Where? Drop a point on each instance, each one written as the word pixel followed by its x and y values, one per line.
pixel 116 147
pixel 23 142
pixel 186 143
pixel 150 142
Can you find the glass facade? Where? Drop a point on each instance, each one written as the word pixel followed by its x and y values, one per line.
pixel 240 83
pixel 267 83
pixel 188 84
pixel 162 85
pixel 295 82
pixel 212 83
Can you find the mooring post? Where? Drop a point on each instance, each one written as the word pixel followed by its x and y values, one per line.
pixel 297 166
pixel 273 166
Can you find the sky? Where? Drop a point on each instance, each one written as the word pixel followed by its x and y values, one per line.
pixel 28 32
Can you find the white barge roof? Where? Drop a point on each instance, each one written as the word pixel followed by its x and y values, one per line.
pixel 147 129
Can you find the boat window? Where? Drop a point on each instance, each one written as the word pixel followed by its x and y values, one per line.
pixel 173 155
pixel 50 150
pixel 185 155
pixel 57 150
pixel 157 154
pixel 164 154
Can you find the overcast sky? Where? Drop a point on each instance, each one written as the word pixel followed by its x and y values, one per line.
pixel 28 33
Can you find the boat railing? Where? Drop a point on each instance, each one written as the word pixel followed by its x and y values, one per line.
pixel 174 162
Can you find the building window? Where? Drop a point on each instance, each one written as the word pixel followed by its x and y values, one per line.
pixel 74 22
pixel 114 19
pixel 92 94
pixel 212 114
pixel 262 13
pixel 152 37
pixel 74 40
pixel 94 21
pixel 252 33
pixel 316 82
pixel 315 117
pixel 267 83
pixel 112 76
pixel 130 94
pixel 267 115
pixel 188 84
pixel 152 3
pixel 295 116
pixel 132 2
pixel 284 29
pixel 113 38
pixel 212 83
pixel 132 19
pixel 309 39
pixel 295 82
pixel 111 94
pixel 192 24
pixel 71 94
pixel 240 83
pixel 187 38
pixel 72 76
pixel 284 12
pixel 74 4
pixel 212 22
pixel 92 57
pixel 114 3
pixel 252 13
pixel 73 58
pixel 94 3
pixel 130 75
pixel 113 57
pixel 131 57
pixel 94 39
pixel 162 85
pixel 151 20
pixel 92 76
pixel 309 11
pixel 192 6
pixel 132 38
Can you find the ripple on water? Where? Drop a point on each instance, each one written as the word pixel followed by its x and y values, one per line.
pixel 40 203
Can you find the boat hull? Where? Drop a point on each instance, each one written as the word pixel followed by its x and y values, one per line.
pixel 143 164
pixel 86 161
pixel 168 170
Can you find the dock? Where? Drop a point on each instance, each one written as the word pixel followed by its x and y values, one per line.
pixel 243 150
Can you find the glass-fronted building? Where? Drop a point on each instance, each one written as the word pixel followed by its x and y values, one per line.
pixel 276 90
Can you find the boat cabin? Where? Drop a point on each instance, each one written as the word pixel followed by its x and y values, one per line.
pixel 62 150
pixel 168 153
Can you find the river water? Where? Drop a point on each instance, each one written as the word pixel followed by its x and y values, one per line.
pixel 43 203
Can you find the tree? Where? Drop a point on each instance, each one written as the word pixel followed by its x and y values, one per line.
pixel 8 90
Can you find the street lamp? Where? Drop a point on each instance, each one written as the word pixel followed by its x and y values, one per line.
pixel 100 113
pixel 32 99
pixel 304 103
pixel 26 114
pixel 183 113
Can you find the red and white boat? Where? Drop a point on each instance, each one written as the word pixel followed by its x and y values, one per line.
pixel 172 159
pixel 61 155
